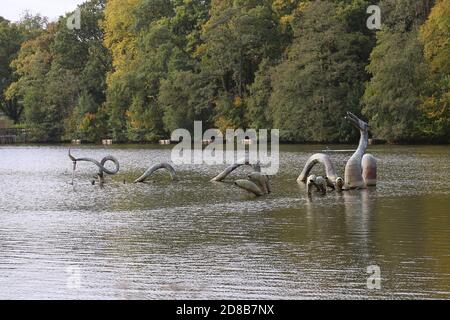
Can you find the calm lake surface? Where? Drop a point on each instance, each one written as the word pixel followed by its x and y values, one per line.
pixel 202 240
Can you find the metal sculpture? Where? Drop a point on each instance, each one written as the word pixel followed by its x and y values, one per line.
pixel 101 167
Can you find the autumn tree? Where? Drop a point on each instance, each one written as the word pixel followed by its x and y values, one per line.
pixel 323 74
pixel 394 94
pixel 31 67
pixel 435 36
pixel 120 39
pixel 138 69
pixel 140 99
pixel 57 72
pixel 236 38
pixel 81 52
pixel 10 40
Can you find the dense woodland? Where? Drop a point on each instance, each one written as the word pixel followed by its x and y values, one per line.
pixel 138 69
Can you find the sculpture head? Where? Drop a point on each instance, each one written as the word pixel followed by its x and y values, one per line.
pixel 310 182
pixel 321 185
pixel 357 123
pixel 311 179
pixel 339 183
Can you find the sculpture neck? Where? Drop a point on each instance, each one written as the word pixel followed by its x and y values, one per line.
pixel 363 142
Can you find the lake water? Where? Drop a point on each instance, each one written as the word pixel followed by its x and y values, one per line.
pixel 196 239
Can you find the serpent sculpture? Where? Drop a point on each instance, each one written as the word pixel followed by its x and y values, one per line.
pixel 261 180
pixel 316 181
pixel 241 162
pixel 369 170
pixel 360 170
pixel 249 186
pixel 356 174
pixel 257 183
pixel 101 167
pixel 156 167
pixel 331 176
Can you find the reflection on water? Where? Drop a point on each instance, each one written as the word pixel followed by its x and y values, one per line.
pixel 202 240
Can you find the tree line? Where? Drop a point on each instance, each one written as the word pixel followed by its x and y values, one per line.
pixel 138 69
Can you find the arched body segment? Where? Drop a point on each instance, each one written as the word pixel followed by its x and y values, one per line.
pixel 312 161
pixel 249 186
pixel 241 162
pixel 156 167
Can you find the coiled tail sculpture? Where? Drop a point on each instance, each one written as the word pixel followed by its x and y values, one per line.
pixel 156 167
pixel 101 167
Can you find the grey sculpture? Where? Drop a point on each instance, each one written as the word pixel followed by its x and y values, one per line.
pixel 156 167
pixel 369 169
pixel 257 184
pixel 241 162
pixel 331 177
pixel 354 169
pixel 360 170
pixel 316 181
pixel 261 180
pixel 249 186
pixel 101 167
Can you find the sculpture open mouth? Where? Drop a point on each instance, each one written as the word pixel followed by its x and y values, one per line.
pixel 353 119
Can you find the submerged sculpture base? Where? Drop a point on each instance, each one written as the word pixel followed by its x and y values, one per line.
pixel 369 167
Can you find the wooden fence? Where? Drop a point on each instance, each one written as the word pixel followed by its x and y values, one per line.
pixel 13 135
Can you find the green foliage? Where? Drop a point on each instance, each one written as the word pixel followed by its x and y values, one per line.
pixel 435 35
pixel 322 77
pixel 184 96
pixel 404 15
pixel 236 38
pixel 394 98
pixel 393 95
pixel 165 34
pixel 11 38
pixel 138 69
pixel 257 113
pixel 62 76
pixel 31 67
